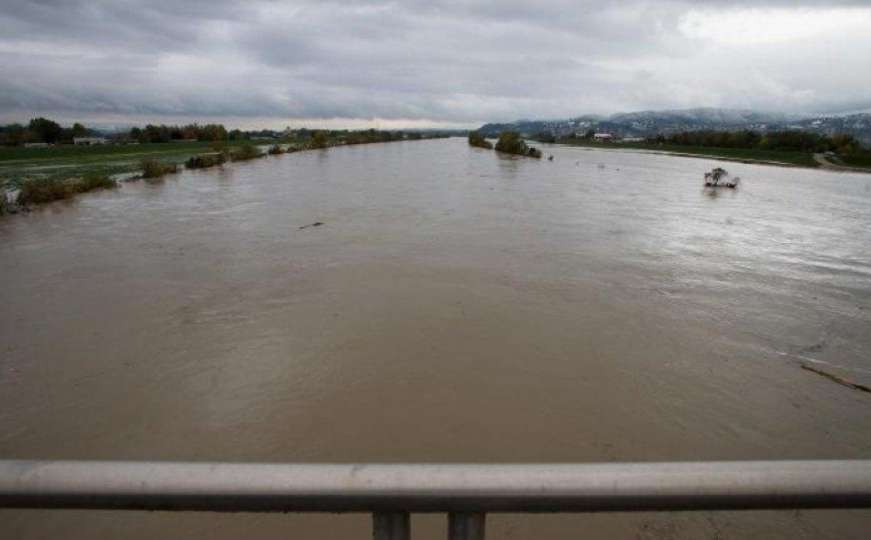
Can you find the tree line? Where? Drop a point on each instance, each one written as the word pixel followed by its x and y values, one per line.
pixel 163 133
pixel 800 141
pixel 41 130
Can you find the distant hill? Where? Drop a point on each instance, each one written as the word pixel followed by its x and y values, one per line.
pixel 651 123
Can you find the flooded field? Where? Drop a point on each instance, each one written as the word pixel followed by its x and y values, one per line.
pixel 454 306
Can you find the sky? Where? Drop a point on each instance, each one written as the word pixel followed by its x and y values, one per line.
pixel 424 63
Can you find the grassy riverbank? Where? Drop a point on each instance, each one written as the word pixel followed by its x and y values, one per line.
pixel 744 155
pixel 18 164
pixel 60 172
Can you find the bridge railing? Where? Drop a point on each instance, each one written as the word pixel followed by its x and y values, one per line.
pixel 466 492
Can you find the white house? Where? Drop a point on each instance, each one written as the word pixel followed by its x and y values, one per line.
pixel 603 137
pixel 89 141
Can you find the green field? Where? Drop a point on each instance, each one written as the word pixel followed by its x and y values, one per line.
pixel 18 164
pixel 778 157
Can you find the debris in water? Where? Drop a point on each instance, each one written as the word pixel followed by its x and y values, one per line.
pixel 315 224
pixel 835 378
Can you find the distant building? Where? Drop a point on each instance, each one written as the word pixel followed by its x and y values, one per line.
pixel 603 137
pixel 36 145
pixel 633 139
pixel 89 141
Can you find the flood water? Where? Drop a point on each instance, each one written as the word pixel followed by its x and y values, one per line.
pixel 455 306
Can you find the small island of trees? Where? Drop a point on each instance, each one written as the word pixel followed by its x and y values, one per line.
pixel 476 138
pixel 510 142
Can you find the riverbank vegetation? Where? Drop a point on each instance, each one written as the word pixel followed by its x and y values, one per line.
pixel 43 150
pixel 92 182
pixel 43 191
pixel 152 168
pixel 778 147
pixel 51 189
pixel 858 159
pixel 476 138
pixel 841 147
pixel 246 152
pixel 204 161
pixel 319 139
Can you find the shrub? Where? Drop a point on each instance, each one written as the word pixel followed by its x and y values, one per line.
pixel 4 202
pixel 275 150
pixel 476 138
pixel 151 168
pixel 204 161
pixel 246 152
pixel 320 139
pixel 44 190
pixel 91 182
pixel 220 147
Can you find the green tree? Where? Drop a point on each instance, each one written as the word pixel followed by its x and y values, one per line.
pixel 13 134
pixel 213 132
pixel 80 130
pixel 510 142
pixel 476 138
pixel 45 130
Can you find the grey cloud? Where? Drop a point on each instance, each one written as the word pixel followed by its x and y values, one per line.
pixel 454 61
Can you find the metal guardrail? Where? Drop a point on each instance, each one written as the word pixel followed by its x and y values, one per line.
pixel 466 492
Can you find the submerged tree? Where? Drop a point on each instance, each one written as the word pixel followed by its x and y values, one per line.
pixel 476 138
pixel 510 142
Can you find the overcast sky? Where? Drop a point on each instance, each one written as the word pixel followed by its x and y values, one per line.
pixel 424 62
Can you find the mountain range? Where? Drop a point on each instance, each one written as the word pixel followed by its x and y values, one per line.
pixel 651 123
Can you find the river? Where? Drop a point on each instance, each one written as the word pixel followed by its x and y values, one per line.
pixel 455 305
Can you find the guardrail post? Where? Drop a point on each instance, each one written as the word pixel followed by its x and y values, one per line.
pixel 391 526
pixel 466 525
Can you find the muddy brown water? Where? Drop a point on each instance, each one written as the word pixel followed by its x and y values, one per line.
pixel 455 306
